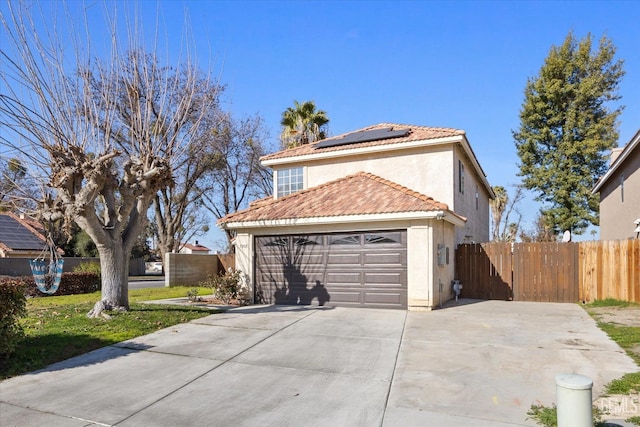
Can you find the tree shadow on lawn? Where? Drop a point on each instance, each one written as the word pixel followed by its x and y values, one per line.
pixel 56 351
pixel 52 351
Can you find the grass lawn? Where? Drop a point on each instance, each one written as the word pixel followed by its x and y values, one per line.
pixel 621 321
pixel 57 328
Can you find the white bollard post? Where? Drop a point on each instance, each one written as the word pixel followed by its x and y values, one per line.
pixel 575 407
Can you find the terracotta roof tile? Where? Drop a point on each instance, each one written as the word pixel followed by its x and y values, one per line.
pixel 417 133
pixel 197 247
pixel 358 194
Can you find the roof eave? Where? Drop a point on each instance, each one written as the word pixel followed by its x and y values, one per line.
pixel 448 216
pixel 635 141
pixel 391 146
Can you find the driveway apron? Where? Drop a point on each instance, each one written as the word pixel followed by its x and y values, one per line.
pixel 480 364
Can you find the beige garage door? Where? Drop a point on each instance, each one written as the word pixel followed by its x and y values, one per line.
pixel 363 269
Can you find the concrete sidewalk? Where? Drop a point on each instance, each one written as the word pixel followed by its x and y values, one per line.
pixel 476 364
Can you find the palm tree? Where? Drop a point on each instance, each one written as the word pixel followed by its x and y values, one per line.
pixel 303 124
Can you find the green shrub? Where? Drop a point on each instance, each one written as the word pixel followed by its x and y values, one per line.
pixel 70 284
pixel 225 287
pixel 88 267
pixel 192 295
pixel 12 307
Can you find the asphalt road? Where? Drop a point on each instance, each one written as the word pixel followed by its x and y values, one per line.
pixel 147 283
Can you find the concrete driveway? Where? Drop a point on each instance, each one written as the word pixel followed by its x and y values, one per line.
pixel 474 364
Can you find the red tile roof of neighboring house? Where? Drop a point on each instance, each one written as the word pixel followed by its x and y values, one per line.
pixel 358 194
pixel 196 248
pixel 417 133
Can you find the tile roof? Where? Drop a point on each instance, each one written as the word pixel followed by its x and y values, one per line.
pixel 196 248
pixel 418 133
pixel 358 194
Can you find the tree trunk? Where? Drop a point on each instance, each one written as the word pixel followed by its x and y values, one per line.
pixel 114 266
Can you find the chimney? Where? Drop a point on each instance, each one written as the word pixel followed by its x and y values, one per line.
pixel 615 152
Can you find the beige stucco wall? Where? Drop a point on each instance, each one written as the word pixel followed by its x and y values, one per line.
pixel 430 170
pixel 477 227
pixel 617 216
pixel 422 265
pixel 443 273
pixel 423 170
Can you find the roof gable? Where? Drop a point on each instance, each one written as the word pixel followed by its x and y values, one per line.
pixel 358 194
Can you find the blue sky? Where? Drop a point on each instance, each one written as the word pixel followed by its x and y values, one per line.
pixel 459 64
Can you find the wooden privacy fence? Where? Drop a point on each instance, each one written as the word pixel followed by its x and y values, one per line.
pixel 550 272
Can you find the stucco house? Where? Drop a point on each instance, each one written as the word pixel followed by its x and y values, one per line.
pixel 194 249
pixel 370 218
pixel 619 190
pixel 19 238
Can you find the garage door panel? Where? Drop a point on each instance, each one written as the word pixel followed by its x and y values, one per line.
pixel 385 298
pixel 337 278
pixel 310 259
pixel 389 278
pixel 389 258
pixel 353 269
pixel 343 259
pixel 345 296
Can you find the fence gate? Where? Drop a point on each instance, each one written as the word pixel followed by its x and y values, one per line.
pixel 546 272
pixel 485 270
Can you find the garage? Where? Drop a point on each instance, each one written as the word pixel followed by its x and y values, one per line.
pixel 358 269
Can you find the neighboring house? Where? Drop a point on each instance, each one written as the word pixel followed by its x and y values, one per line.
pixel 19 238
pixel 369 218
pixel 196 249
pixel 619 190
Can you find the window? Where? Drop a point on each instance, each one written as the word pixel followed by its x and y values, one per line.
pixel 379 238
pixel 460 177
pixel 622 188
pixel 289 181
pixel 277 241
pixel 311 240
pixel 477 198
pixel 344 239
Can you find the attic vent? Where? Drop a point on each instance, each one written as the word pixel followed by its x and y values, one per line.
pixel 364 136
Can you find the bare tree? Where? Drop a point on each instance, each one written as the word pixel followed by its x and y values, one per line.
pixel 15 190
pixel 105 139
pixel 178 209
pixel 505 216
pixel 542 230
pixel 240 177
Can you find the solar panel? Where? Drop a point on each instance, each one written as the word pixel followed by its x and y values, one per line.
pixel 364 136
pixel 15 236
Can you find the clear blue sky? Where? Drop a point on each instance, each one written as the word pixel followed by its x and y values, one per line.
pixel 459 64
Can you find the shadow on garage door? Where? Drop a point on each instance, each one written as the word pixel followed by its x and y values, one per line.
pixel 360 269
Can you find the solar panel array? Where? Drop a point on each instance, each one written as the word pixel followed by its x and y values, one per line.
pixel 364 136
pixel 15 236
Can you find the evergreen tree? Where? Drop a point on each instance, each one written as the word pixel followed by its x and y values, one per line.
pixel 567 124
